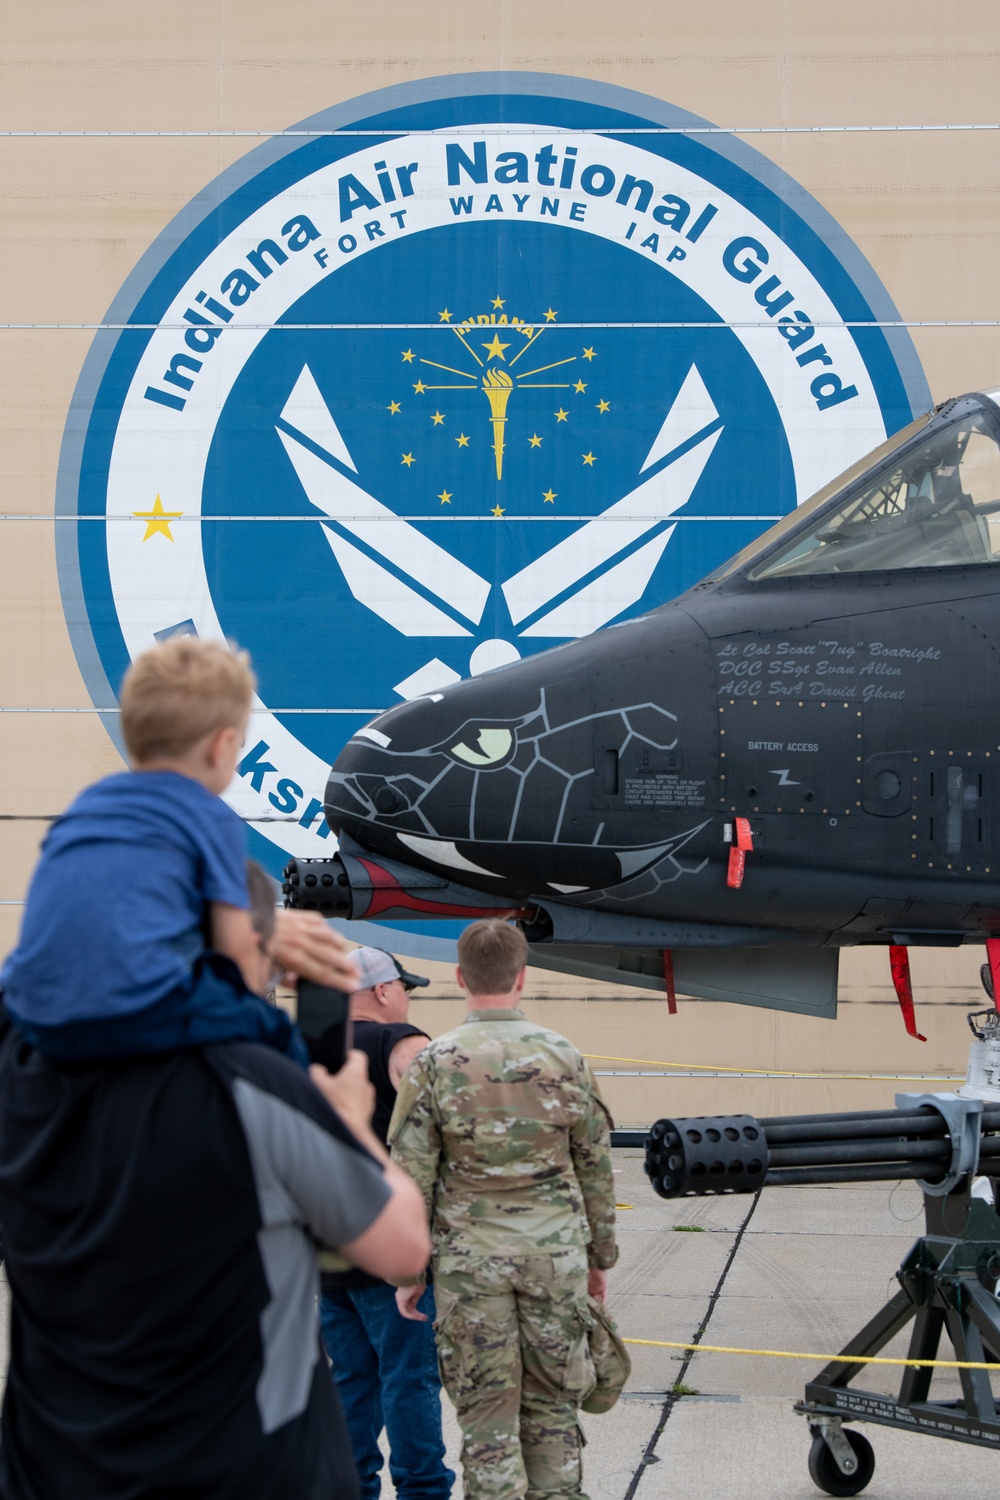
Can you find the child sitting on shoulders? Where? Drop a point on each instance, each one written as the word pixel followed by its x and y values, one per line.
pixel 136 933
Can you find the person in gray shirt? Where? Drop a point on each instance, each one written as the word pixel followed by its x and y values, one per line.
pixel 162 1216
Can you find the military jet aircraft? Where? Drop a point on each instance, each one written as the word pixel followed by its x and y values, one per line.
pixel 799 754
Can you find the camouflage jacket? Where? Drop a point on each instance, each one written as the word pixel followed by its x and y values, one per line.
pixel 501 1125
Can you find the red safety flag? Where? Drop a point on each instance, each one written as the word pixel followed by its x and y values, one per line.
pixel 899 963
pixel 668 981
pixel 738 854
pixel 993 954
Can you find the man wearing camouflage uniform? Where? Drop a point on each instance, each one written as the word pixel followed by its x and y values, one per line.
pixel 501 1125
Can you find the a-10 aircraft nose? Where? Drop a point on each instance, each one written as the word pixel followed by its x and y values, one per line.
pixel 573 772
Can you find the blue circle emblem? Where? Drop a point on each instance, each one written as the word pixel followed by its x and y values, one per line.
pixel 448 376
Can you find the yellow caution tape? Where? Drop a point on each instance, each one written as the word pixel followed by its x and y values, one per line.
pixel 651 1062
pixel 845 1359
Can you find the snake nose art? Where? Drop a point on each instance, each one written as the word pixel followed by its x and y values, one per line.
pixel 575 772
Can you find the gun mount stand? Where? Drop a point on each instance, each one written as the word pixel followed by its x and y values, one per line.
pixel 947 1285
pixel 948 1281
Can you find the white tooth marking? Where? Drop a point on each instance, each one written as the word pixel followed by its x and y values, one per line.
pixel 443 854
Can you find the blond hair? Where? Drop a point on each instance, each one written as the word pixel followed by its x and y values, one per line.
pixel 175 694
pixel 491 954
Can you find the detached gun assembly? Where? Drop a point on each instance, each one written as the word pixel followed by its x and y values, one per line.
pixel 948 1281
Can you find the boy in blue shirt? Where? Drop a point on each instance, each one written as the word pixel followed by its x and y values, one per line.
pixel 136 932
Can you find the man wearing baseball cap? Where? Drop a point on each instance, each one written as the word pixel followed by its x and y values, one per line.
pixel 386 1368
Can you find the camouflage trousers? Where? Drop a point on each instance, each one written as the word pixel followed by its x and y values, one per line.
pixel 514 1357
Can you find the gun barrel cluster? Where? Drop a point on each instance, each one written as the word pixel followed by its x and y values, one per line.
pixel 738 1154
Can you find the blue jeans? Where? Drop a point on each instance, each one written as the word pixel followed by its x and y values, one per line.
pixel 387 1376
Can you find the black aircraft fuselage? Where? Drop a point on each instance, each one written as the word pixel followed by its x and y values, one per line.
pixel 836 686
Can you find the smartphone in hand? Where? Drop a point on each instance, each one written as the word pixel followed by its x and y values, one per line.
pixel 325 1023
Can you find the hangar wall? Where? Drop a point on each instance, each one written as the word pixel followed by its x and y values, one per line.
pixel 172 97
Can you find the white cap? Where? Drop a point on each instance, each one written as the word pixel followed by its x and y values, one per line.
pixel 376 966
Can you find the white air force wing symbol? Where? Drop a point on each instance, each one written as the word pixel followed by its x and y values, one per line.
pixel 680 452
pixel 320 456
pixel 578 585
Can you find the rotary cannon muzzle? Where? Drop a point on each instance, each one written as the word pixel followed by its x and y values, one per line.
pixel 935 1140
pixel 355 885
pixel 321 885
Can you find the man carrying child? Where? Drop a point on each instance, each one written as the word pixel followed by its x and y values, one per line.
pixel 167 1165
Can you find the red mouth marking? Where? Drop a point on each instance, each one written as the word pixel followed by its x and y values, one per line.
pixel 388 895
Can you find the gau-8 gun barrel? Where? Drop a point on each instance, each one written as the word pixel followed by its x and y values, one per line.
pixel 948 1282
pixel 936 1138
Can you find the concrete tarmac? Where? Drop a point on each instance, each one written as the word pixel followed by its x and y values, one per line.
pixel 808 1270
pixel 802 1270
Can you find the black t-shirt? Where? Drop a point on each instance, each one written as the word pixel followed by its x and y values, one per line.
pixel 161 1219
pixel 376 1039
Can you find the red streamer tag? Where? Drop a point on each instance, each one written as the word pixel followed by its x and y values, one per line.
pixel 668 981
pixel 744 838
pixel 993 954
pixel 899 963
pixel 737 864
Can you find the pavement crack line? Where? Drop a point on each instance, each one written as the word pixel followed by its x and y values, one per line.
pixel 649 1456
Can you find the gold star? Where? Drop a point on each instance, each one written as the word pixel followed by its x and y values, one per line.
pixel 407 459
pixel 498 302
pixel 420 388
pixel 550 496
pixel 407 356
pixel 445 316
pixel 497 511
pixel 445 497
pixel 438 418
pixel 495 350
pixel 392 408
pixel 603 406
pixel 589 354
pixel 550 316
pixel 579 387
pixel 462 440
pixel 588 460
pixel 561 416
pixel 158 520
pixel 535 441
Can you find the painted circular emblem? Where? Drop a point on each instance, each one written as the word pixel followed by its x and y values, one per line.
pixel 457 372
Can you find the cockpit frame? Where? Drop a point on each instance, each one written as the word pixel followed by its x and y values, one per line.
pixel 927 499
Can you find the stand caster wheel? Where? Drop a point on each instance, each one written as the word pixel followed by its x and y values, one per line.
pixel 827 1474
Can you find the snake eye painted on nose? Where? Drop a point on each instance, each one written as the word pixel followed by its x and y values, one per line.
pixel 492 748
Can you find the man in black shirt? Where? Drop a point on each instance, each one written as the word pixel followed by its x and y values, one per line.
pixel 386 1368
pixel 161 1217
